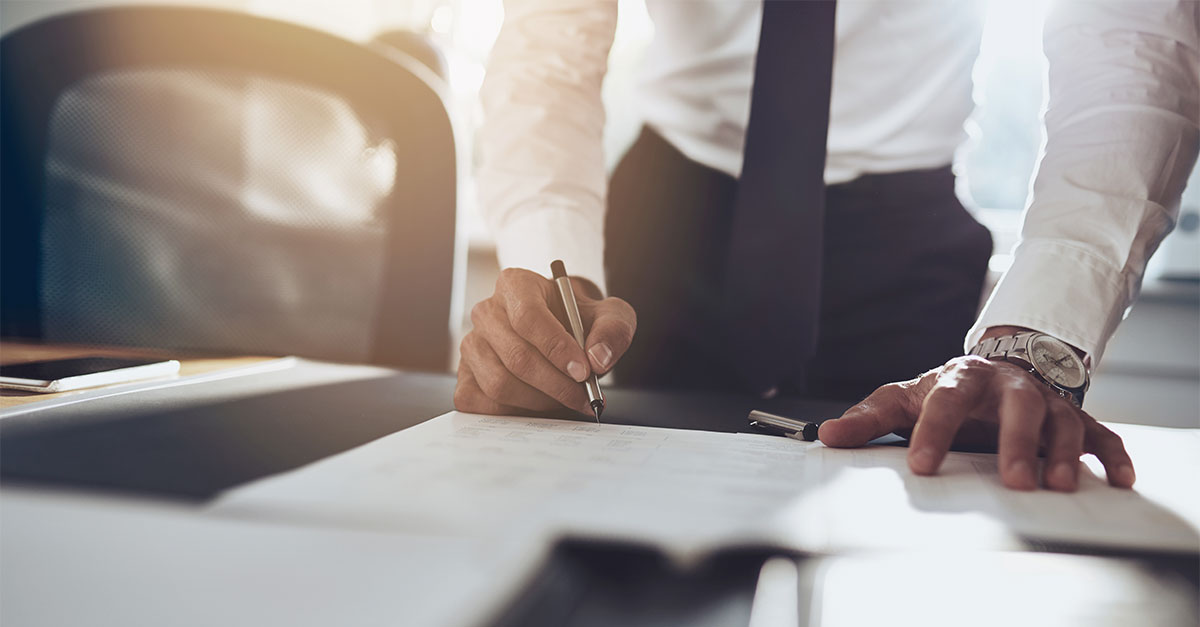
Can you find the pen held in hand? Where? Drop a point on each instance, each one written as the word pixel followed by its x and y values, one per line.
pixel 575 322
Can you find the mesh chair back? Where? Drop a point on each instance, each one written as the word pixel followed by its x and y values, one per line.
pixel 201 179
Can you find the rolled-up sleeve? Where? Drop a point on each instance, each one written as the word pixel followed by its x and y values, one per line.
pixel 541 177
pixel 1122 128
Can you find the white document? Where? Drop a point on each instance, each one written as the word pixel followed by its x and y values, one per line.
pixel 690 492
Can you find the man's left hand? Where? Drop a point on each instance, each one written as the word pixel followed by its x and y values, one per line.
pixel 978 402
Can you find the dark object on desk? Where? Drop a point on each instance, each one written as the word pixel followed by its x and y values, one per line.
pixel 595 584
pixel 773 424
pixel 208 180
pixel 60 375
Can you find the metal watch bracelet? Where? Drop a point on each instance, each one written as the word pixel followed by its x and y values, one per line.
pixel 1015 349
pixel 1000 347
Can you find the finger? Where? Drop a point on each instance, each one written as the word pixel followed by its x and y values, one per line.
pixel 958 389
pixel 612 325
pixel 1064 445
pixel 470 398
pixel 494 379
pixel 887 409
pixel 1021 411
pixel 1108 447
pixel 525 296
pixel 529 365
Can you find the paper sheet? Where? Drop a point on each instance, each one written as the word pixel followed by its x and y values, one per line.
pixel 692 491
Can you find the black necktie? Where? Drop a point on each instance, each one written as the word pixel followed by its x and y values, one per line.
pixel 773 279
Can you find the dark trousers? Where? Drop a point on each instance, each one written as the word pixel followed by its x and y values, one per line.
pixel 903 272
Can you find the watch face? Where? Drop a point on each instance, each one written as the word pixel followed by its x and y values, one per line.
pixel 1057 362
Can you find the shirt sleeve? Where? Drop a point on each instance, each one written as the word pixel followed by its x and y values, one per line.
pixel 541 178
pixel 1122 125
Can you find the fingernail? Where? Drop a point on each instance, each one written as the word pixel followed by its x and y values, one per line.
pixel 577 371
pixel 1062 476
pixel 1125 476
pixel 1021 475
pixel 602 354
pixel 923 461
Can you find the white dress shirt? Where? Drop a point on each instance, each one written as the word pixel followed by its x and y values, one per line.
pixel 1122 126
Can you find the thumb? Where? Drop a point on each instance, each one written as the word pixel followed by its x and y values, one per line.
pixel 887 409
pixel 610 334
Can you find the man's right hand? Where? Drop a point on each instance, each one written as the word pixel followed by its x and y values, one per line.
pixel 519 357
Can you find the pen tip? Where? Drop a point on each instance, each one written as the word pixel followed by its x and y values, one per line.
pixel 597 408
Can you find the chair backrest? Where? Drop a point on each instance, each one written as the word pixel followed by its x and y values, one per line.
pixel 91 225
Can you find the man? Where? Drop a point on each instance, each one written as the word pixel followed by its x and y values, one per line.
pixel 746 271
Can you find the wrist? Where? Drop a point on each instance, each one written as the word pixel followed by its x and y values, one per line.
pixel 1052 361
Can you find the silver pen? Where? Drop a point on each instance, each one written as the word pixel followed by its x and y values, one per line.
pixel 592 384
pixel 782 425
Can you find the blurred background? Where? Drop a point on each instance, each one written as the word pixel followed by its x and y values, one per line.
pixel 1151 373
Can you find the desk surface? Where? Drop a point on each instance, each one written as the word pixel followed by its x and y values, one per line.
pixel 189 442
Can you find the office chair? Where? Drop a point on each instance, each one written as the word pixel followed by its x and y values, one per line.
pixel 416 45
pixel 199 179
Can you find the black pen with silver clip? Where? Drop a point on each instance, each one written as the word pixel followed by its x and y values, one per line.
pixel 592 383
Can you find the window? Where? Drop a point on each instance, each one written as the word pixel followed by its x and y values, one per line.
pixel 1005 129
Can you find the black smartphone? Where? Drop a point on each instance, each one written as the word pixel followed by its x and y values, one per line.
pixel 61 375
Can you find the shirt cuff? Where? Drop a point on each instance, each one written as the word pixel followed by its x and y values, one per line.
pixel 534 239
pixel 1059 289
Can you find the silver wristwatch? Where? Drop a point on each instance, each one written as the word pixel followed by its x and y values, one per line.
pixel 1046 357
